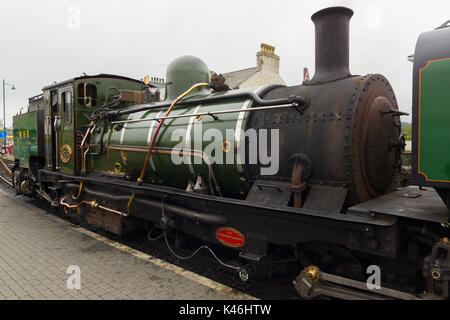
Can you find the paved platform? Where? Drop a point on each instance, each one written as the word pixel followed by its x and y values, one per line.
pixel 36 248
pixel 7 157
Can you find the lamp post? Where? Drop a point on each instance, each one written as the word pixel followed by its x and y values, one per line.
pixel 4 110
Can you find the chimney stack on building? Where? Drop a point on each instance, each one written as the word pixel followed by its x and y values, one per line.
pixel 267 60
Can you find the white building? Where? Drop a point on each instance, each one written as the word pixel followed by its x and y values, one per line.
pixel 267 71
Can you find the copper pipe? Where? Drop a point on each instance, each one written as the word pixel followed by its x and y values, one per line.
pixel 120 213
pixel 149 153
pixel 298 185
pixel 109 136
pixel 87 133
pixel 94 204
pixel 76 206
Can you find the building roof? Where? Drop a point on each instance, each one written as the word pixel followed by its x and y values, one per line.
pixel 157 84
pixel 236 78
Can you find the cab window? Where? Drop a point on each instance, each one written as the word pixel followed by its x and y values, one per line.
pixel 66 99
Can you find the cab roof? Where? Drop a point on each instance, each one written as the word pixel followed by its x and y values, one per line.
pixel 98 76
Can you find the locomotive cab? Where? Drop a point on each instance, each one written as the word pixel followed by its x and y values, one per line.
pixel 68 106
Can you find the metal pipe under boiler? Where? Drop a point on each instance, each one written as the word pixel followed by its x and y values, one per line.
pixel 207 218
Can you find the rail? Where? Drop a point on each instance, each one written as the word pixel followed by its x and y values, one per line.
pixel 7 171
pixel 5 167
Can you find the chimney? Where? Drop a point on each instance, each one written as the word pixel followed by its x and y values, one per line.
pixel 332 44
pixel 267 60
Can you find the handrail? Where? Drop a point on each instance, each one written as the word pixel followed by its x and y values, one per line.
pixel 257 101
pixel 212 114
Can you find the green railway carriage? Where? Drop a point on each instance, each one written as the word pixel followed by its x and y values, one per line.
pixel 28 136
pixel 431 112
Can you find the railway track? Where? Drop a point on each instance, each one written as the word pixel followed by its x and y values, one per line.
pixel 5 171
pixel 202 264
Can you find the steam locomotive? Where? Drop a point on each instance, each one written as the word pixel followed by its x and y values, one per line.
pixel 298 180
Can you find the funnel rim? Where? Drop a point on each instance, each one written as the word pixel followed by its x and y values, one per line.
pixel 337 9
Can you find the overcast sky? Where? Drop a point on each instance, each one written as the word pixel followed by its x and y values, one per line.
pixel 46 41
